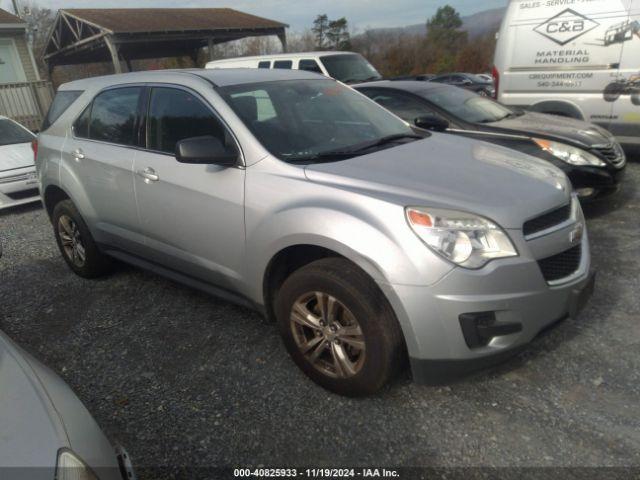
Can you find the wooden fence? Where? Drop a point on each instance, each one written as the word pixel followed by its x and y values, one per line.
pixel 26 103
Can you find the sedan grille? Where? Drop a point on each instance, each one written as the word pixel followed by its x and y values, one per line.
pixel 561 265
pixel 612 153
pixel 18 178
pixel 546 221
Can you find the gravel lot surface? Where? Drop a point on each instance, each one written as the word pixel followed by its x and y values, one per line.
pixel 183 379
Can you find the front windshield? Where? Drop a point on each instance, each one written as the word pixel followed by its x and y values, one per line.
pixel 466 105
pixel 11 133
pixel 350 68
pixel 303 119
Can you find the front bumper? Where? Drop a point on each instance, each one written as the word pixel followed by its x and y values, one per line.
pixel 18 187
pixel 592 183
pixel 513 292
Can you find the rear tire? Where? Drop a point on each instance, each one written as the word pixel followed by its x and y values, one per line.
pixel 613 91
pixel 635 99
pixel 338 327
pixel 76 244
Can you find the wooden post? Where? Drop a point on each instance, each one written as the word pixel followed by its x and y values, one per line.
pixel 210 48
pixel 282 36
pixel 113 50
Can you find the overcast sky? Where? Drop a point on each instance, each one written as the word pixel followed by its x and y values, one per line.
pixel 299 14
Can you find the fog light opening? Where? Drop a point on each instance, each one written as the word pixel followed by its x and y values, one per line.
pixel 585 192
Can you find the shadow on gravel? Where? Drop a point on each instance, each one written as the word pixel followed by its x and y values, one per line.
pixel 20 209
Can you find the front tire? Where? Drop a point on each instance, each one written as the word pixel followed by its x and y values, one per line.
pixel 76 244
pixel 338 327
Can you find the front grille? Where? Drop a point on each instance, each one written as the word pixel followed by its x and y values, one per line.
pixel 18 178
pixel 548 220
pixel 32 192
pixel 612 153
pixel 561 265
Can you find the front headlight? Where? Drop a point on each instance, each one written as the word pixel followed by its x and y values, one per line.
pixel 462 238
pixel 70 467
pixel 569 154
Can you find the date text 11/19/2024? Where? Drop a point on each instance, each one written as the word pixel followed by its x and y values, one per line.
pixel 315 473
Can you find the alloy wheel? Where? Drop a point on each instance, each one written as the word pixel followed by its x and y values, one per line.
pixel 328 335
pixel 71 241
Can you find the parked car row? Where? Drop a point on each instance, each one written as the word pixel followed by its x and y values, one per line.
pixel 405 219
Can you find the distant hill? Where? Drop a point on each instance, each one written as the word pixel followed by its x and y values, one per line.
pixel 476 25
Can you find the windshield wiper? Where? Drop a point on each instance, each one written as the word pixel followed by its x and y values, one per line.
pixel 357 149
pixel 364 80
pixel 504 117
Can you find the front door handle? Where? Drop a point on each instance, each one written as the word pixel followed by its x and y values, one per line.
pixel 78 154
pixel 149 175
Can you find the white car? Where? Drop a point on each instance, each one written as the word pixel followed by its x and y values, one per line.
pixel 347 67
pixel 18 182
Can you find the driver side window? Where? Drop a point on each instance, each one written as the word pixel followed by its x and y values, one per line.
pixel 175 115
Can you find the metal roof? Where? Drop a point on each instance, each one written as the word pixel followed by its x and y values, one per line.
pixel 7 18
pixel 136 20
pixel 82 35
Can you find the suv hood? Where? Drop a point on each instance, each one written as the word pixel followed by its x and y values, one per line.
pixel 560 128
pixel 456 173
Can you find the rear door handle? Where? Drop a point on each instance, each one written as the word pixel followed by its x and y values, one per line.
pixel 78 154
pixel 149 175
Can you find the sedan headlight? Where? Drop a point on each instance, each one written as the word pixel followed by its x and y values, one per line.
pixel 70 467
pixel 569 154
pixel 462 238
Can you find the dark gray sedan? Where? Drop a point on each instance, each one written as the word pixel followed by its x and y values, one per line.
pixel 590 156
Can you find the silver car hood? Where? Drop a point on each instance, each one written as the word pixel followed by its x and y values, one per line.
pixel 457 173
pixel 30 429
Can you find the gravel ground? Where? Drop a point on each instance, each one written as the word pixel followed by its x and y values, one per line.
pixel 183 379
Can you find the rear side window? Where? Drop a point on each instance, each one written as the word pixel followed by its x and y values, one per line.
pixel 111 117
pixel 61 103
pixel 175 115
pixel 81 127
pixel 264 65
pixel 309 65
pixel 283 64
pixel 12 133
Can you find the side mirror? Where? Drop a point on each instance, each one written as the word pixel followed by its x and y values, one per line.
pixel 207 150
pixel 432 122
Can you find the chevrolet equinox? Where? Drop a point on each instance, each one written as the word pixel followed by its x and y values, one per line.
pixel 367 241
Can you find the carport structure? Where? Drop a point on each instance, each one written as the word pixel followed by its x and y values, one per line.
pixel 123 34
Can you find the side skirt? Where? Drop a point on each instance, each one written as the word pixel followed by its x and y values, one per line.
pixel 183 279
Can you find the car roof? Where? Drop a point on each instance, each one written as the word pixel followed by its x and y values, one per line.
pixel 414 86
pixel 323 53
pixel 217 76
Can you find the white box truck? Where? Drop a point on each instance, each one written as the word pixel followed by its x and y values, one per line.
pixel 577 58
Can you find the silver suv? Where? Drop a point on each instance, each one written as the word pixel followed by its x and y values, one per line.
pixel 366 240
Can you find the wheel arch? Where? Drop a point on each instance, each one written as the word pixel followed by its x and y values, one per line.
pixel 295 256
pixel 53 195
pixel 559 107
